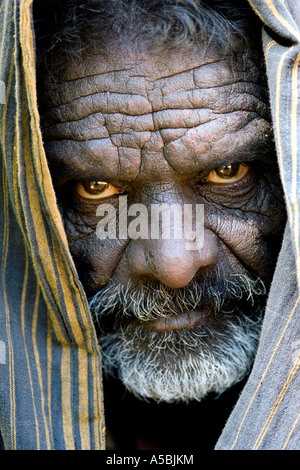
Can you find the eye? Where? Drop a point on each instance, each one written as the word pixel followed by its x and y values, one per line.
pixel 228 173
pixel 96 190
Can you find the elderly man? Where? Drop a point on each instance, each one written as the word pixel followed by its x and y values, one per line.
pixel 166 104
pixel 147 104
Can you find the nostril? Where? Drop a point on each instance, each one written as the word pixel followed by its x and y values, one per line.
pixel 169 261
pixel 175 269
pixel 150 261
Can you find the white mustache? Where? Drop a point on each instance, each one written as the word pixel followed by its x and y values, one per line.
pixel 148 302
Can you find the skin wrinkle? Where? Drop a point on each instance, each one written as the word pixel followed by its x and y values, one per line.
pixel 57 88
pixel 196 87
pixel 213 161
pixel 55 111
pixel 59 91
pixel 120 139
pixel 195 127
pixel 227 229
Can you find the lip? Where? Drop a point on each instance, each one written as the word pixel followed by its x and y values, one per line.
pixel 182 321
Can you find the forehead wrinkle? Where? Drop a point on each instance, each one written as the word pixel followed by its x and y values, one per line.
pixel 138 78
pixel 146 108
pixel 197 90
pixel 215 99
pixel 197 146
pixel 143 76
pixel 171 118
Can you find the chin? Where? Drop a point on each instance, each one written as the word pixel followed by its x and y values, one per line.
pixel 182 365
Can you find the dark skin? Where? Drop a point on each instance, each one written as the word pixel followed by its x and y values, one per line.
pixel 180 128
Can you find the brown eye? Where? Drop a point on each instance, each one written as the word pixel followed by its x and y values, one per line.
pixel 95 190
pixel 228 173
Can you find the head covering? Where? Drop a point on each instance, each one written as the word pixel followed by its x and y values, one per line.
pixel 50 373
pixel 267 414
pixel 50 364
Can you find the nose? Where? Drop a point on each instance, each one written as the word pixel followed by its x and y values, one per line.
pixel 169 261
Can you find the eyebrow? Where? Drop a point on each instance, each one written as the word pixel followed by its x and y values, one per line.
pixel 74 160
pixel 78 162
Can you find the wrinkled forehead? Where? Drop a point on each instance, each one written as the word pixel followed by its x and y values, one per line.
pixel 129 63
pixel 132 82
pixel 152 64
pixel 182 107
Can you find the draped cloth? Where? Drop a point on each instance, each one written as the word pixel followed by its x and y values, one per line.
pixel 267 414
pixel 51 393
pixel 50 364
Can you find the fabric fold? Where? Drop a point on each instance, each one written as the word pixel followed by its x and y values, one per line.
pixel 267 414
pixel 53 362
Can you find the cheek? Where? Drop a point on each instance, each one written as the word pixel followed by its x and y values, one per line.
pixel 252 239
pixel 95 259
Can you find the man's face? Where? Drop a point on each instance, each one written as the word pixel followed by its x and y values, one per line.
pixel 181 128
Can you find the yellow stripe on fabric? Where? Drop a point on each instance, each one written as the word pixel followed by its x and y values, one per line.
pixel 37 217
pixel 64 262
pixel 3 273
pixel 291 432
pixel 1 6
pixel 49 367
pixel 281 19
pixel 268 48
pixel 38 364
pixel 37 212
pixel 277 119
pixel 265 372
pixel 294 219
pixel 294 150
pixel 16 179
pixel 41 237
pixel 99 422
pixel 67 294
pixel 66 387
pixel 256 11
pixel 66 398
pixel 41 170
pixel 7 320
pixel 277 403
pixel 23 323
pixel 84 421
pixel 27 45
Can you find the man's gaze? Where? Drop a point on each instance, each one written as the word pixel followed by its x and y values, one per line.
pixel 96 190
pixel 228 173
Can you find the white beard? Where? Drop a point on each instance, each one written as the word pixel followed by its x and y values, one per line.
pixel 180 366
